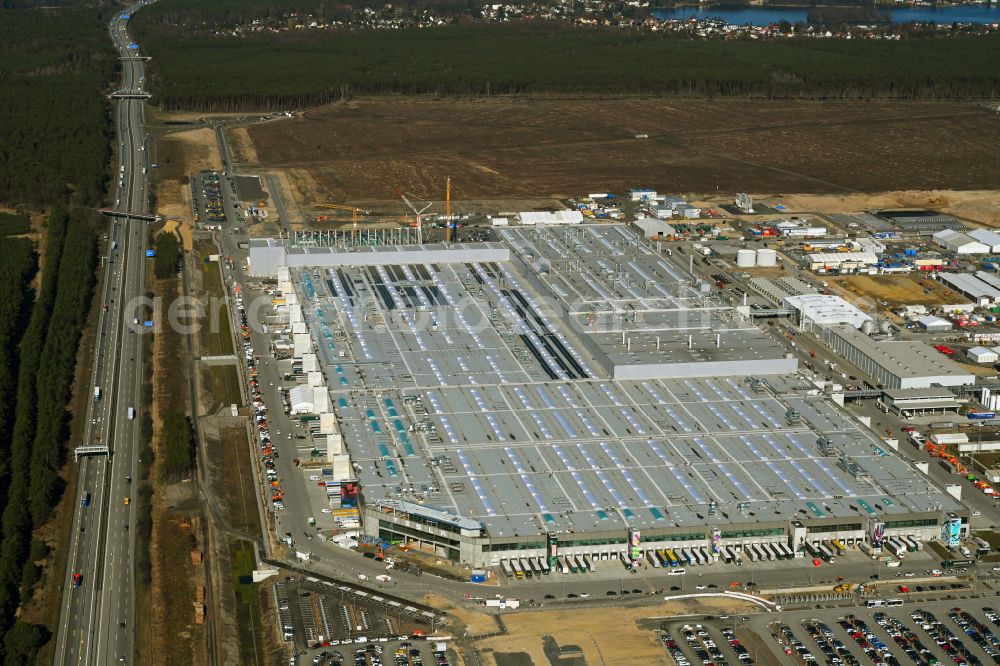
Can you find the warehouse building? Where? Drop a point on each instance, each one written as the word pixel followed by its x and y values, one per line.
pixel 661 211
pixel 919 401
pixel 982 355
pixel 587 391
pixel 841 261
pixel 872 245
pixel 933 324
pixel 895 364
pixel 799 229
pixel 986 237
pixel 268 255
pixel 823 309
pixel 971 286
pixel 653 228
pixel 550 217
pixel 959 243
pixel 778 289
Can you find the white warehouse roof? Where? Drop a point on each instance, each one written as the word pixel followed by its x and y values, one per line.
pixel 834 258
pixel 554 217
pixel 300 399
pixel 652 227
pixel 959 242
pixel 986 237
pixel 982 355
pixel 827 309
pixel 932 323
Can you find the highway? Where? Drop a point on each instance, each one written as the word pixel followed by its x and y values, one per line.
pixel 97 619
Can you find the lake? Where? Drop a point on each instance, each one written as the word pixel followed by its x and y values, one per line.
pixel 769 15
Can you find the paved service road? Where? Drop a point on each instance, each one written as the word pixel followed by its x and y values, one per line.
pixel 96 625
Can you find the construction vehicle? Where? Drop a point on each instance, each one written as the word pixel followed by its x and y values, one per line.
pixel 952 463
pixel 354 211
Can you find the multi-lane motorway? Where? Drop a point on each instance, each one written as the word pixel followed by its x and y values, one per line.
pixel 97 619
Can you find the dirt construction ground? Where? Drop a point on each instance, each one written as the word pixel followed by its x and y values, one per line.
pixel 627 639
pixel 892 290
pixel 505 149
pixel 179 156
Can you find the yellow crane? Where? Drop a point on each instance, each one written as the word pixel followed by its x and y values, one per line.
pixel 447 210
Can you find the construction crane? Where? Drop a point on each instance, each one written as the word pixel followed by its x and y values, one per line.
pixel 418 213
pixel 447 211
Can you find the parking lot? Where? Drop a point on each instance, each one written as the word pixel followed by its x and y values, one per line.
pixel 409 652
pixel 314 614
pixel 705 644
pixel 206 199
pixel 959 631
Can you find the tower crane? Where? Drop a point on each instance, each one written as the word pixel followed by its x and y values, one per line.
pixel 448 224
pixel 417 213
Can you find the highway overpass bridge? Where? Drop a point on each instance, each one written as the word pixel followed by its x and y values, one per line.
pixel 148 217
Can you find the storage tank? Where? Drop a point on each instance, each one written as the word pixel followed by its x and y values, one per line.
pixel 868 327
pixel 885 326
pixel 767 257
pixel 746 258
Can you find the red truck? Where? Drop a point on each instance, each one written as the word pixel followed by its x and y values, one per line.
pixel 77 580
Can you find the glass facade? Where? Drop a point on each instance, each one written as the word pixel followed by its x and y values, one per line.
pixel 416 534
pixel 843 527
pixel 902 524
pixel 753 532
pixel 514 545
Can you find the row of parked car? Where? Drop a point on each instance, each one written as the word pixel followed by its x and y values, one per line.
pixel 833 648
pixel 945 638
pixel 874 648
pixel 268 451
pixel 211 191
pixel 906 639
pixel 980 634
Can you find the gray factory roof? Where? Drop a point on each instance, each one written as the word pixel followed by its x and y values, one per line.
pixel 904 358
pixel 970 285
pixel 640 314
pixel 458 390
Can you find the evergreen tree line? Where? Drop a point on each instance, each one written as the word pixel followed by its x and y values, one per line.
pixel 14 225
pixel 55 66
pixel 226 14
pixel 167 256
pixel 300 69
pixel 55 135
pixel 178 446
pixel 35 434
